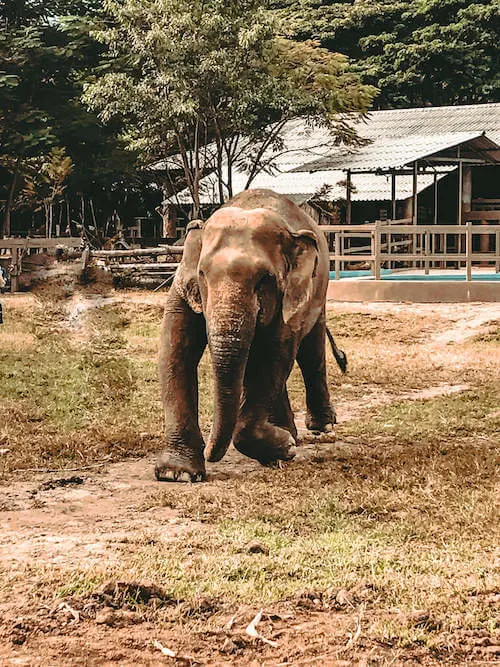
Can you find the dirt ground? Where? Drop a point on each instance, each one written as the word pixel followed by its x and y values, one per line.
pixel 69 531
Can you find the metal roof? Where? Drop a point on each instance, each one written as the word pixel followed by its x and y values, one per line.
pixel 396 153
pixel 397 137
pixel 301 186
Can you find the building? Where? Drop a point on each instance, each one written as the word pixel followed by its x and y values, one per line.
pixel 432 164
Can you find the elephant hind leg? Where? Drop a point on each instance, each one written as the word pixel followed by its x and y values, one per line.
pixel 311 358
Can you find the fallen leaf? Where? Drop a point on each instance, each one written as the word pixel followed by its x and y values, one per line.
pixel 251 630
pixel 230 623
pixel 166 651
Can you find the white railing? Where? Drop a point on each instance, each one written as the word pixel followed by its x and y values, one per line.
pixel 421 246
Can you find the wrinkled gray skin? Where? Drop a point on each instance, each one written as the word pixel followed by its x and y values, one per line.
pixel 252 284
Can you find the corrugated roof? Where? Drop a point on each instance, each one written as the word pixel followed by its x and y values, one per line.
pixel 397 137
pixel 395 153
pixel 301 186
pixel 303 144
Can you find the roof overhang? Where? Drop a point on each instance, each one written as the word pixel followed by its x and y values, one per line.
pixel 386 155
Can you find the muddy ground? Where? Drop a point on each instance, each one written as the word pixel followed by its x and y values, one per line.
pixel 85 548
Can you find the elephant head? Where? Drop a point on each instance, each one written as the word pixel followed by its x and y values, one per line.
pixel 244 270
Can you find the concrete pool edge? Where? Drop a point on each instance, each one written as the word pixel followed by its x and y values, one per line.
pixel 415 291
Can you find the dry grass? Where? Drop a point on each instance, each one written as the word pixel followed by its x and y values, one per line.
pixel 403 509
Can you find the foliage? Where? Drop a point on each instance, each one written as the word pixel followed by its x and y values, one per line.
pixel 44 58
pixel 45 183
pixel 417 52
pixel 211 82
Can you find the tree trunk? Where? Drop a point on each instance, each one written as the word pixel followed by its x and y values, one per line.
pixel 47 222
pixel 5 230
pixel 68 216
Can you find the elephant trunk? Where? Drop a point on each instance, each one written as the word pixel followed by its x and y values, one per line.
pixel 229 344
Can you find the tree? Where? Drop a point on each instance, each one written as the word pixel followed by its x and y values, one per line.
pixel 418 52
pixel 46 52
pixel 210 81
pixel 45 183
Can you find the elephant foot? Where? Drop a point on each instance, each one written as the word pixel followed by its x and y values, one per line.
pixel 321 423
pixel 265 443
pixel 177 467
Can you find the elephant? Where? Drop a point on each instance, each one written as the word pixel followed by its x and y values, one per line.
pixel 252 285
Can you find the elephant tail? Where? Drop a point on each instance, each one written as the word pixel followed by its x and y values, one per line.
pixel 340 355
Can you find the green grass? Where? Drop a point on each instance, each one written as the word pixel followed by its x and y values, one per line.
pixel 436 421
pixel 73 393
pixel 491 335
pixel 409 535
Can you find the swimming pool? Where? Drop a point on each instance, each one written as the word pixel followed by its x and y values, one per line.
pixel 386 274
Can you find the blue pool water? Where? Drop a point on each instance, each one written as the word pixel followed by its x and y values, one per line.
pixel 457 277
pixel 358 274
pixel 388 275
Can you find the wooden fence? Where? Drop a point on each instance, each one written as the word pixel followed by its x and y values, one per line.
pixel 423 246
pixel 143 265
pixel 392 244
pixel 13 251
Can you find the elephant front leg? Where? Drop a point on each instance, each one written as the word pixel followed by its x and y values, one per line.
pixel 311 358
pixel 266 430
pixel 183 340
pixel 282 414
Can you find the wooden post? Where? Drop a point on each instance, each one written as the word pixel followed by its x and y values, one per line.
pixel 460 192
pixel 342 248
pixel 377 243
pixel 16 269
pixel 435 198
pixel 337 253
pixel 484 242
pixel 393 194
pixel 348 213
pixel 85 258
pixel 466 189
pixel 460 246
pixel 468 251
pixel 414 209
pixel 497 252
pixel 427 250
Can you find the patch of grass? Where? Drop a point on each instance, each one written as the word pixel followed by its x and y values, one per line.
pixel 411 519
pixel 413 524
pixel 439 420
pixel 67 397
pixel 80 583
pixel 383 327
pixel 399 513
pixel 401 564
pixel 490 335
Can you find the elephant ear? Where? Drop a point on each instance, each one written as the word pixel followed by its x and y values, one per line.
pixel 303 259
pixel 186 280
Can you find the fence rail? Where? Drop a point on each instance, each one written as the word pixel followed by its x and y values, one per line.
pixel 16 249
pixel 424 245
pixel 388 243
